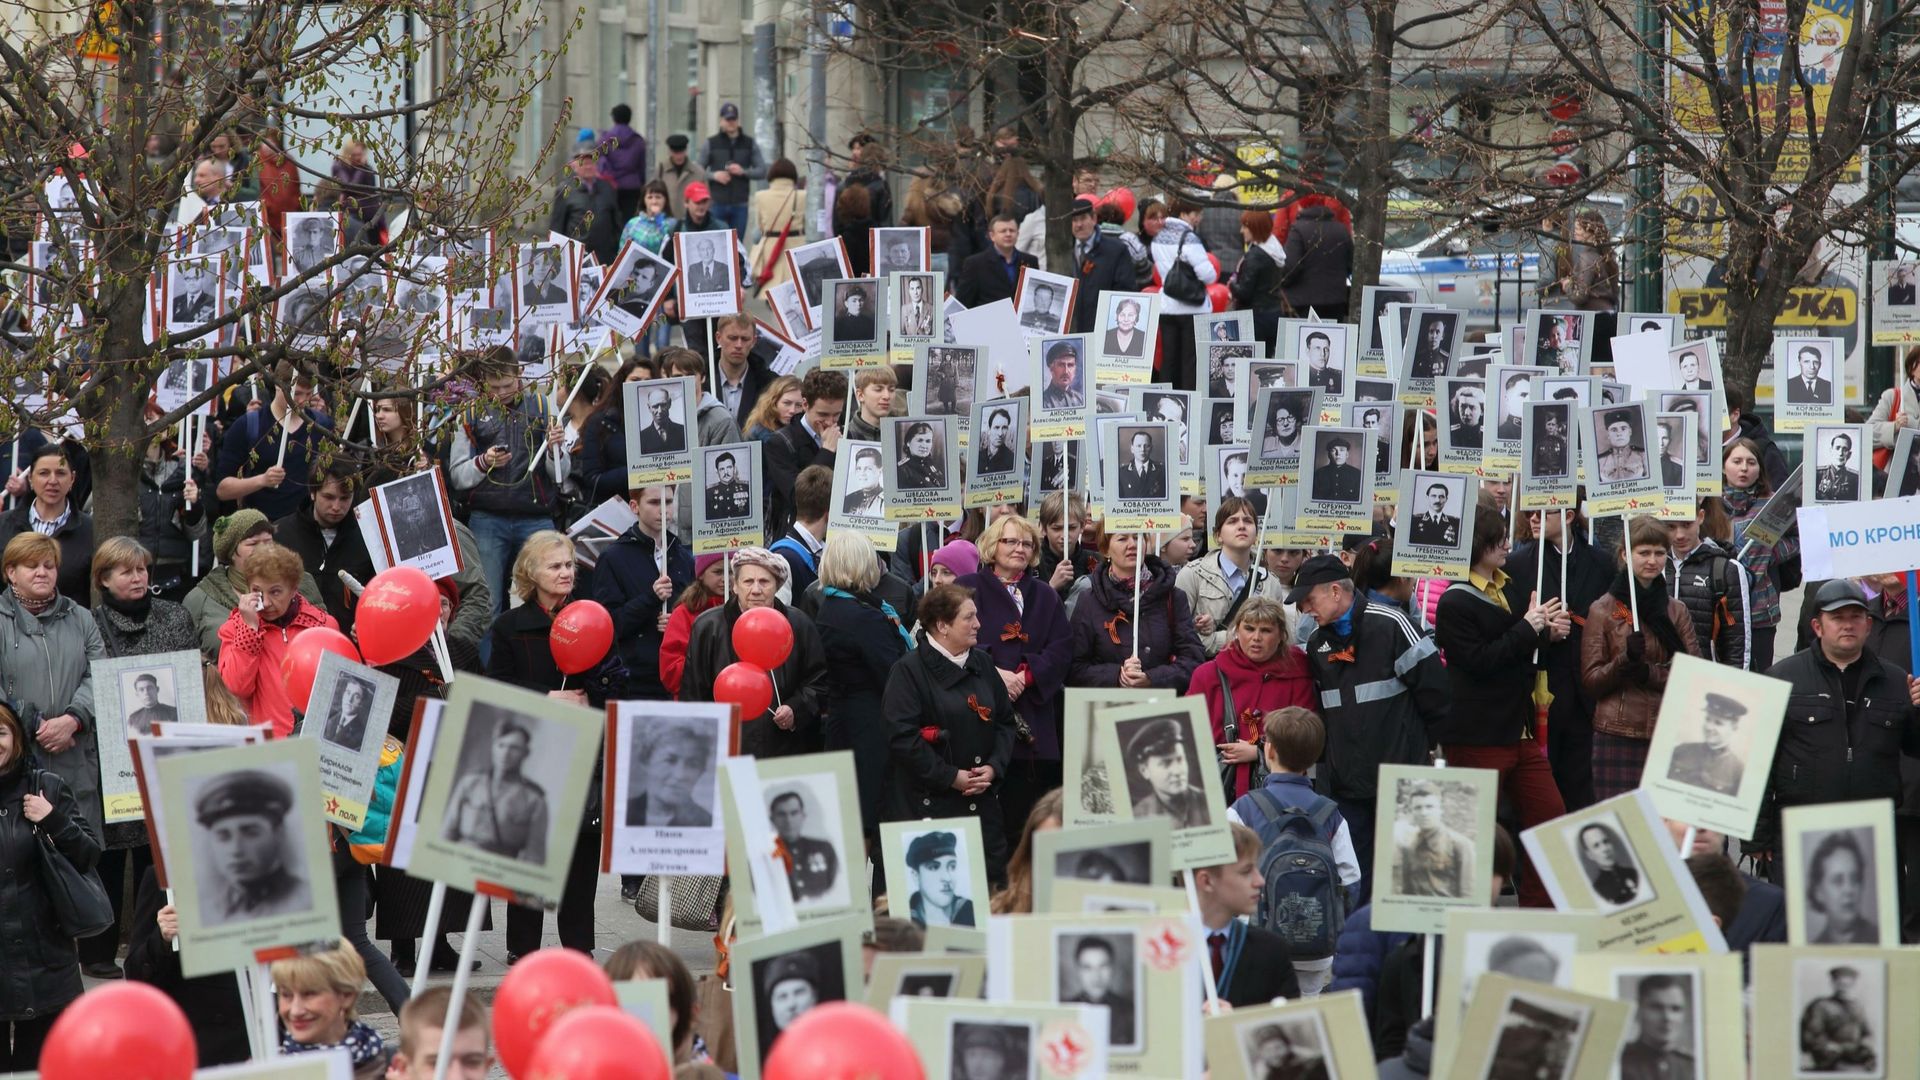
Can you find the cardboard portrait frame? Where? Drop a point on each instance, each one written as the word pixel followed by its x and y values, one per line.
pixel 968 973
pixel 1050 846
pixel 715 304
pixel 120 795
pixel 348 777
pixel 1777 1016
pixel 1066 1042
pixel 730 534
pixel 1424 914
pixel 1580 932
pixel 848 842
pixel 971 857
pixel 1209 843
pixel 748 952
pixel 1088 799
pixel 671 850
pixel 1682 712
pixel 1719 1013
pixel 1603 1024
pixel 665 467
pixel 1816 437
pixel 1875 815
pixel 1339 1020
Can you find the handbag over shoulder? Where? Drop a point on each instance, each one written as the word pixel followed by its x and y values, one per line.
pixel 79 901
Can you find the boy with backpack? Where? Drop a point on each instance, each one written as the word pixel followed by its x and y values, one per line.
pixel 1250 964
pixel 1307 856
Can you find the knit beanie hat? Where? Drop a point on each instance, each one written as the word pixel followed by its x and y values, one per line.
pixel 959 556
pixel 235 527
pixel 703 563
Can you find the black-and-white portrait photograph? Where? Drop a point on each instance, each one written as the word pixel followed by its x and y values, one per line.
pixel 1264 373
pixel 1700 404
pixel 1675 471
pixel 1466 414
pixel 790 984
pixel 1334 475
pixel 1222 358
pixel 312 238
pixel 1163 770
pixel 1373 304
pixel 1171 407
pixel 1221 430
pixel 149 697
pixel 934 984
pixel 643 283
pixel 1124 330
pixel 805 814
pixel 1900 285
pixel 1125 864
pixel 1043 302
pixel 1713 757
pixel 1842 886
pixel 1841 1009
pixel 1537 1038
pixel 193 292
pixel 348 713
pixel 1510 403
pixel 1377 418
pixel 1540 956
pixel 729 479
pixel 511 765
pixel 1059 467
pixel 991 1050
pixel 1692 367
pixel 664 423
pixel 1622 445
pixel 1809 376
pixel 995 453
pixel 866 489
pixel 1664 1038
pixel 1836 475
pixel 920 454
pixel 939 892
pixel 1280 435
pixel 1373 390
pixel 950 375
pixel 898 250
pixel 1064 373
pixel 815 264
pixel 1638 323
pixel 414 518
pixel 1608 863
pixel 303 314
pixel 916 307
pixel 1438 512
pixel 1436 336
pixel 1323 348
pixel 1102 969
pixel 672 775
pixel 851 319
pixel 1551 453
pixel 543 281
pixel 707 261
pixel 250 862
pixel 1433 836
pixel 1146 463
pixel 1294 1047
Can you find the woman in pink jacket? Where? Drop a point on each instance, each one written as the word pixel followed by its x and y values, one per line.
pixel 1259 673
pixel 254 639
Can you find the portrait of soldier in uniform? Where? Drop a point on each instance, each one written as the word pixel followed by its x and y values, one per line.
pixel 1160 772
pixel 1608 863
pixel 1063 377
pixel 248 851
pixel 729 494
pixel 866 487
pixel 1430 858
pixel 1663 1045
pixel 1515 391
pixel 1334 478
pixel 496 808
pixel 349 712
pixel 1623 458
pixel 1433 526
pixel 1840 1031
pixel 1432 356
pixel 938 879
pixel 149 706
pixel 1551 459
pixel 1469 414
pixel 1538 1040
pixel 1295 1050
pixel 1837 479
pixel 815 875
pixel 1321 371
pixel 1143 475
pixel 793 983
pixel 1717 762
pixel 1098 969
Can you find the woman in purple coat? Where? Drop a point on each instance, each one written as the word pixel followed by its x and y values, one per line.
pixel 1103 633
pixel 1023 627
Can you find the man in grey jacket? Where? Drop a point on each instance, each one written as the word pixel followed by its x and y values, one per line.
pixel 489 462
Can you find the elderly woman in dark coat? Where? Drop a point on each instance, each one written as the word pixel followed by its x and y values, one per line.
pixel 862 637
pixel 952 723
pixel 39 970
pixel 1103 630
pixel 1023 627
pixel 792 724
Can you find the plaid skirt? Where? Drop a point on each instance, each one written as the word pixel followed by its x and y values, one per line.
pixel 1617 764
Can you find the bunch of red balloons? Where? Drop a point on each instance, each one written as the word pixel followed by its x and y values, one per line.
pixel 762 639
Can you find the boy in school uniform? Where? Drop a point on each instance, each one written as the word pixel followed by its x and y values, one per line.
pixel 1251 966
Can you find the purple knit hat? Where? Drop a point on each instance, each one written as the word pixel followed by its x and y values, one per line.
pixel 959 556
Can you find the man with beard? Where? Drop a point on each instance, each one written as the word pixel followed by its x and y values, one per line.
pixel 933 860
pixel 1159 755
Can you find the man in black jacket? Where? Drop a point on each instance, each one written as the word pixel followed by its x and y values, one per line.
pixel 588 209
pixel 733 162
pixel 1100 264
pixel 811 439
pixel 1319 258
pixel 1252 966
pixel 991 275
pixel 327 539
pixel 637 587
pixel 1850 715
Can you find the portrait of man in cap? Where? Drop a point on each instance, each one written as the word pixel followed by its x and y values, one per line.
pixel 1550 457
pixel 792 983
pixel 853 319
pixel 314 241
pixel 1161 779
pixel 1063 389
pixel 246 851
pixel 1665 1040
pixel 1622 458
pixel 149 701
pixel 1718 761
pixel 1290 1050
pixel 815 874
pixel 1430 857
pixel 494 806
pixel 939 881
pixel 1036 313
pixel 1098 969
pixel 1840 1030
pixel 1335 477
pixel 990 1051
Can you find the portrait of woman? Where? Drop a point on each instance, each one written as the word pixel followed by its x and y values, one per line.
pixel 1839 881
pixel 921 467
pixel 1608 863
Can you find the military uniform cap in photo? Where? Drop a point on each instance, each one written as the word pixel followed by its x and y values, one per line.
pixel 240 793
pixel 930 846
pixel 787 968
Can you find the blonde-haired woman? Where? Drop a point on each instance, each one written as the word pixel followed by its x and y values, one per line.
pixel 317 997
pixel 862 637
pixel 792 724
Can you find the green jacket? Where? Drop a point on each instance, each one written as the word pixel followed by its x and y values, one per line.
pixel 46 663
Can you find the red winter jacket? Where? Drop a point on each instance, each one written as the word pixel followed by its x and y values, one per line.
pixel 673 643
pixel 1258 689
pixel 252 661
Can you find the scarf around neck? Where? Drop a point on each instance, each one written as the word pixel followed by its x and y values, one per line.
pixel 1652 599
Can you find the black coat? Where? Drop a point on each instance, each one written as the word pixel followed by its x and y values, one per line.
pixel 1830 752
pixel 623 584
pixel 1108 266
pixel 211 1002
pixel 602 457
pixel 801 682
pixel 982 279
pixel 1319 258
pixel 1257 286
pixel 926 690
pixel 39 968
pixel 1489 668
pixel 1264 970
pixel 522 654
pixel 1170 648
pixel 76 547
pixel 300 532
pixel 790 450
pixel 861 646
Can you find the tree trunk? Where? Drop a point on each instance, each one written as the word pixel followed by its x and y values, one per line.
pixel 1373 163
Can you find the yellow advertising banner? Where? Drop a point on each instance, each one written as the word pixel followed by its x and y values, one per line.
pixel 1822 36
pixel 100 39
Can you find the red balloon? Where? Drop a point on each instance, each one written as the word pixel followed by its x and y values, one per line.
pixel 94 1037
pixel 745 685
pixel 1219 297
pixel 581 636
pixel 763 637
pixel 599 1042
pixel 303 660
pixel 396 614
pixel 842 1040
pixel 537 992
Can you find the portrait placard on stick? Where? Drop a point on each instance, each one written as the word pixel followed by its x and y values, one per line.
pixel 1681 1009
pixel 1620 475
pixel 1089 800
pixel 1032 1040
pixel 1127 326
pixel 1703 458
pixel 1159 767
pixel 1508 390
pixel 1548 480
pixel 1433 845
pixel 662 794
pixel 1427 353
pixel 1336 495
pixel 1064 407
pixel 856 333
pixel 914 317
pixel 1463 430
pixel 727 515
pixel 1527 944
pixel 1433 523
pixel 709 278
pixel 130 695
pixel 1321 1036
pixel 1139 491
pixel 946 976
pixel 661 429
pixel 936 872
pixel 996 473
pixel 1836 452
pixel 415 521
pixel 1282 417
pixel 1375 304
pixel 808 802
pixel 1560 341
pixel 922 466
pixel 1840 860
pixel 1136 852
pixel 1808 383
pixel 1514 1026
pixel 780 977
pixel 1044 302
pixel 1836 1010
pixel 1896 308
pixel 859 501
pixel 347 716
pixel 813 265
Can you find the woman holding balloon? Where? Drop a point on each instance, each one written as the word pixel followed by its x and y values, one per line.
pixel 564 646
pixel 779 691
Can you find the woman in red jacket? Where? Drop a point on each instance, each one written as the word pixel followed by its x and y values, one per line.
pixel 255 637
pixel 1259 672
pixel 709 582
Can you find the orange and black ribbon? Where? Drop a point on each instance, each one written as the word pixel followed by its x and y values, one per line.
pixel 1012 632
pixel 1113 626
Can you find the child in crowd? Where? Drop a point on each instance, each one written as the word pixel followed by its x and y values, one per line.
pixel 1251 966
pixel 423 1020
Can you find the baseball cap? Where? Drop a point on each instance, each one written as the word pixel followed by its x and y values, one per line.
pixel 729 111
pixel 1839 593
pixel 1318 570
pixel 696 191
